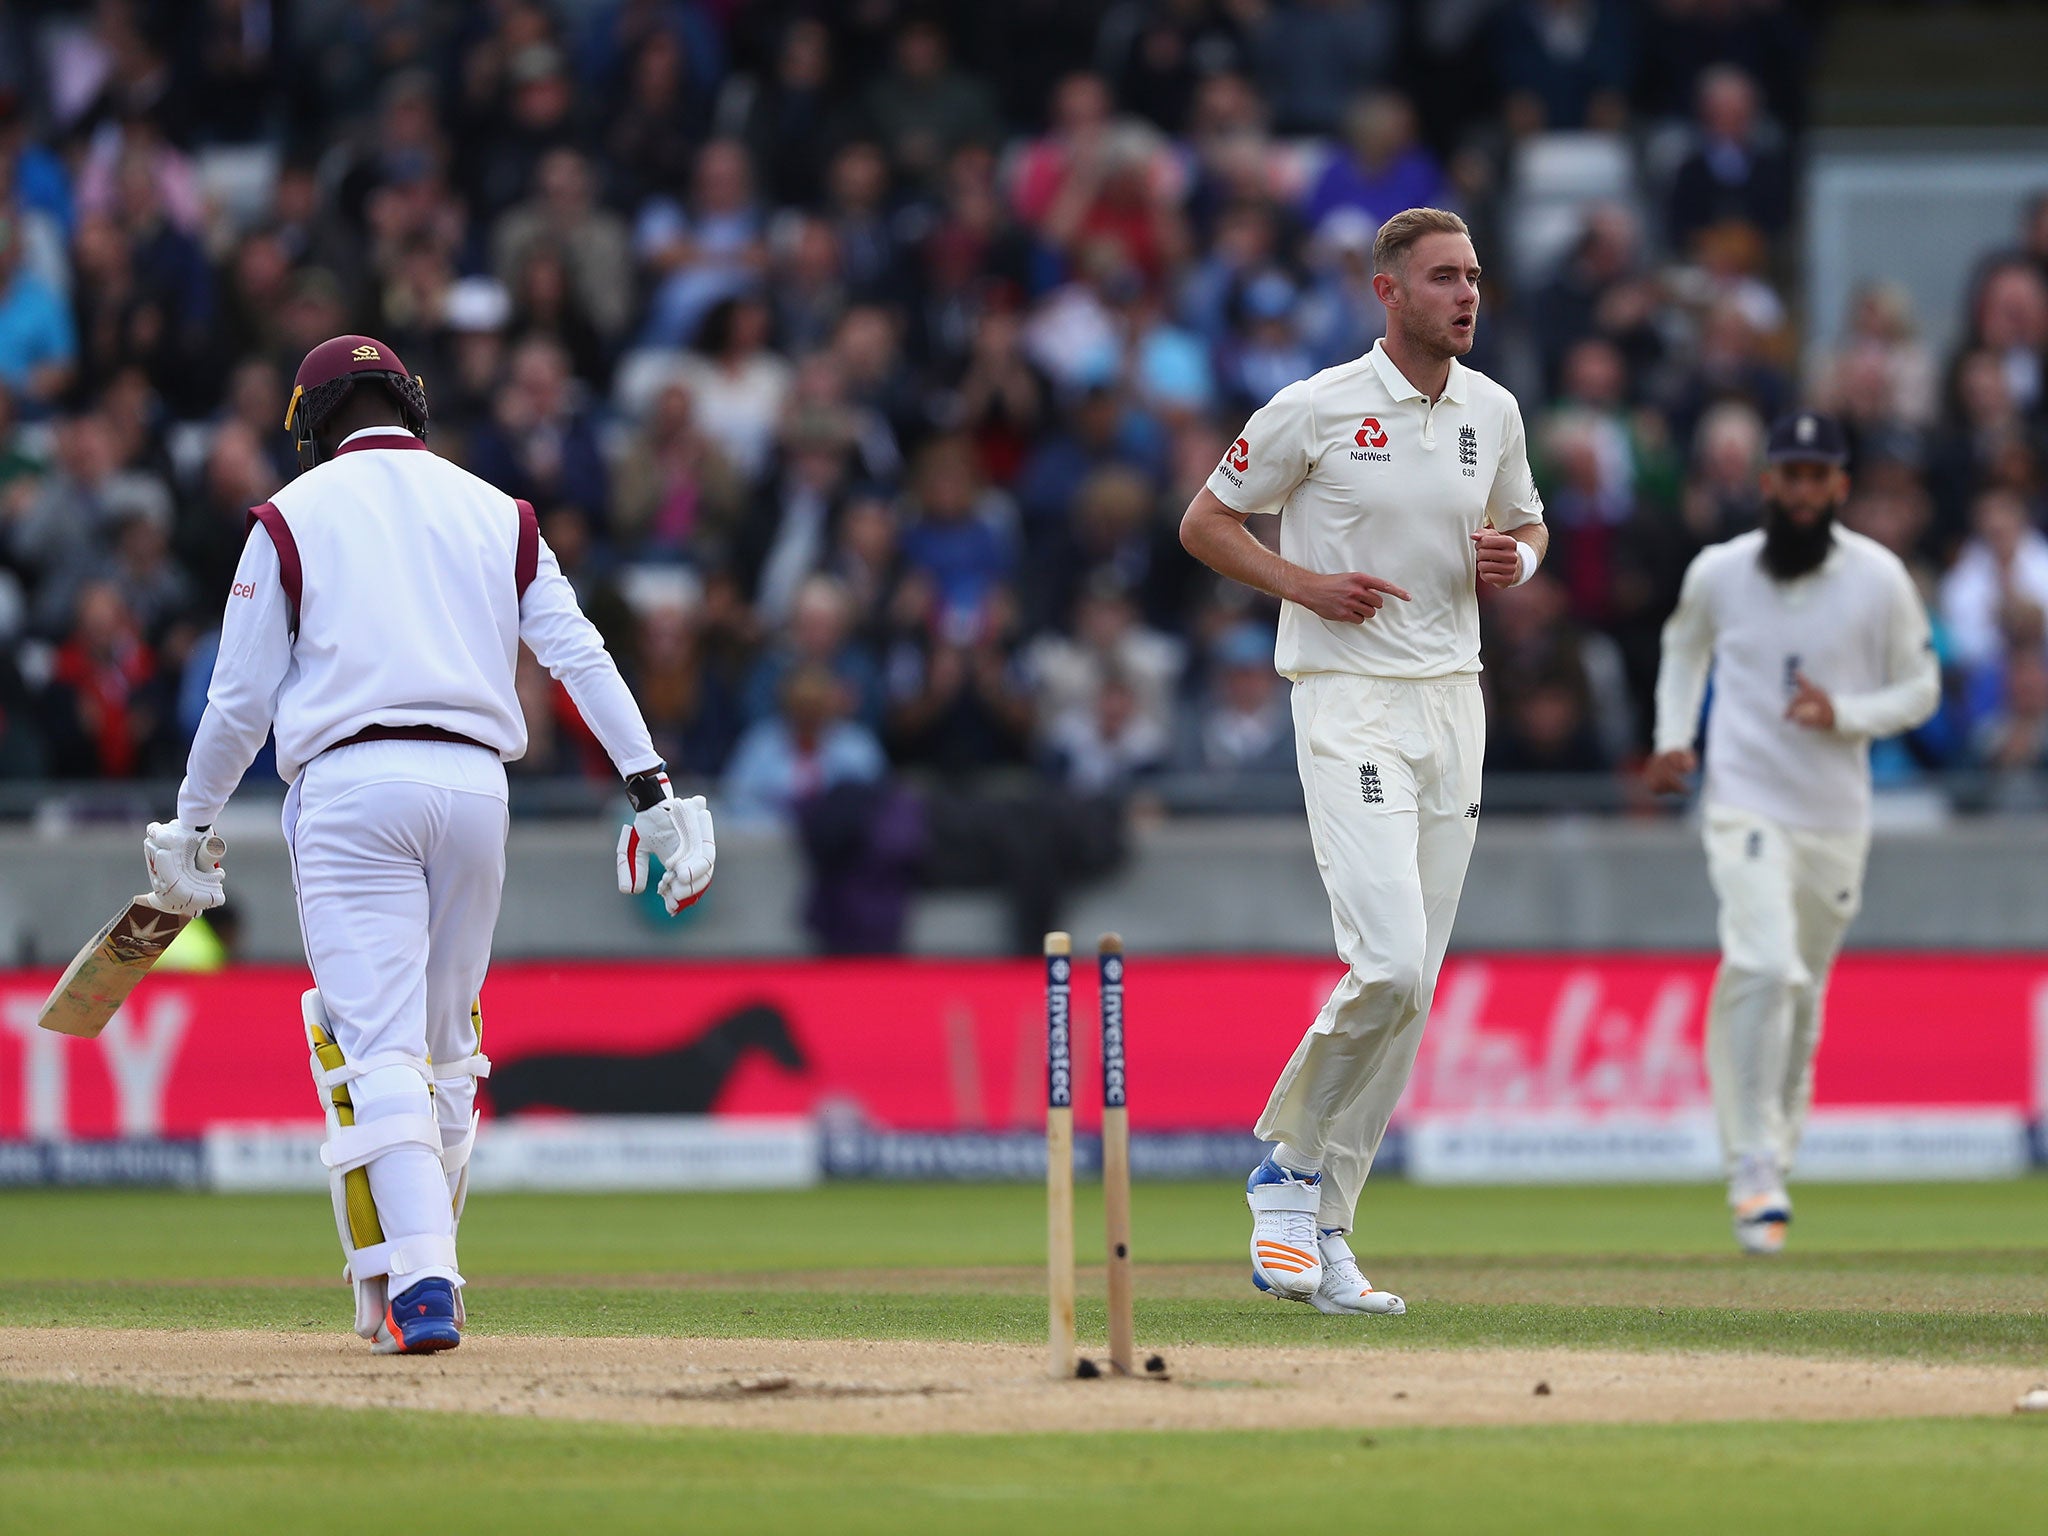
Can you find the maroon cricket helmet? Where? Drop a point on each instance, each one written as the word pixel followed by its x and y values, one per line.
pixel 331 370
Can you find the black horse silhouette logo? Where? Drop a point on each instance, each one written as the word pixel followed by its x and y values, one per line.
pixel 684 1079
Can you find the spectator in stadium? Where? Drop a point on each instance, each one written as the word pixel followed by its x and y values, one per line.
pixel 1562 688
pixel 1109 746
pixel 1242 723
pixel 62 533
pixel 2009 319
pixel 1109 640
pixel 819 634
pixel 105 704
pixel 1310 57
pixel 1881 326
pixel 38 346
pixel 808 746
pixel 958 700
pixel 653 138
pixel 1998 580
pixel 923 108
pixel 1735 173
pixel 1720 497
pixel 858 206
pixel 1564 64
pixel 674 494
pixel 1380 167
pixel 960 536
pixel 699 254
pixel 590 242
pixel 541 442
pixel 1604 288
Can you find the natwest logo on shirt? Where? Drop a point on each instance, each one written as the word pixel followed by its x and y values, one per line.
pixel 1237 460
pixel 1371 435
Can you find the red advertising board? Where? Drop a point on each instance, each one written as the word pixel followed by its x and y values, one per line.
pixel 959 1045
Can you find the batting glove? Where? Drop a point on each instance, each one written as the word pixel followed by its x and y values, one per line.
pixel 677 832
pixel 184 867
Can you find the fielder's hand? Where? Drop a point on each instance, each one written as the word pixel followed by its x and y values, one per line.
pixel 1349 597
pixel 1810 706
pixel 677 832
pixel 1667 772
pixel 184 867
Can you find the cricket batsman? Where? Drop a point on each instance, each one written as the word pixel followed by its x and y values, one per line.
pixel 1818 643
pixel 1402 481
pixel 374 625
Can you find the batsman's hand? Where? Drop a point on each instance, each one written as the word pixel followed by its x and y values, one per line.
pixel 677 832
pixel 1667 772
pixel 184 867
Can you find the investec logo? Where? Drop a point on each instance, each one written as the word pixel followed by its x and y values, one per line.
pixel 1059 1056
pixel 1112 1033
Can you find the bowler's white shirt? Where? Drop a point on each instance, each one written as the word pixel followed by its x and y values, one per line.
pixel 410 615
pixel 1855 628
pixel 1370 475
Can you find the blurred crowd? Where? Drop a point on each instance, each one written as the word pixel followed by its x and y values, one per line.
pixel 861 357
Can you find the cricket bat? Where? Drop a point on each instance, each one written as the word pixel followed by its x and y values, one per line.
pixel 102 974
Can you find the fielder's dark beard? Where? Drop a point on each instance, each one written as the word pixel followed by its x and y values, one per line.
pixel 1793 549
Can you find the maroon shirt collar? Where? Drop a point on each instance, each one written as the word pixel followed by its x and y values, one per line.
pixel 392 440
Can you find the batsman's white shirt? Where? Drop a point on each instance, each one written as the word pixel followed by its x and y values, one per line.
pixel 407 572
pixel 1390 732
pixel 1855 628
pixel 409 614
pixel 1373 476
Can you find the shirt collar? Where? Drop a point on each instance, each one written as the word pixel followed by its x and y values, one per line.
pixel 378 437
pixel 1397 381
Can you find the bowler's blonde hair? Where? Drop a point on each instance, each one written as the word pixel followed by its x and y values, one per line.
pixel 1398 235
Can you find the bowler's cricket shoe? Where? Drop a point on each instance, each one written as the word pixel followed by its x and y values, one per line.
pixel 1761 1220
pixel 420 1320
pixel 1345 1291
pixel 1285 1260
pixel 1762 1208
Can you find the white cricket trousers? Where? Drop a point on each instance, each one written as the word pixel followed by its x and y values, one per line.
pixel 398 858
pixel 1787 898
pixel 1390 770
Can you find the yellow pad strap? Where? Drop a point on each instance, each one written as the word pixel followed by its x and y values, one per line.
pixel 363 1224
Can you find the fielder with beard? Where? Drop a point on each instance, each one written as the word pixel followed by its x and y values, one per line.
pixel 1818 644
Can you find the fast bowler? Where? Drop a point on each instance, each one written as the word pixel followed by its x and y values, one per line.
pixel 1407 465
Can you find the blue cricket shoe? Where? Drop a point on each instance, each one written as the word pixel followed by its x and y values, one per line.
pixel 420 1320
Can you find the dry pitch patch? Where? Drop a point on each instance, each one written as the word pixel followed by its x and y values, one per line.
pixel 904 1387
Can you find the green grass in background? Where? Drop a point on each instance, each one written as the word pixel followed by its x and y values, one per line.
pixel 153 1235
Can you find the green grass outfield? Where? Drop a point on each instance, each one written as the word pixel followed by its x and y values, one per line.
pixel 1933 1272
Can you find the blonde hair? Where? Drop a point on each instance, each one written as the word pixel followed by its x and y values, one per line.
pixel 1398 235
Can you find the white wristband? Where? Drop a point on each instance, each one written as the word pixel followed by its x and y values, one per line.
pixel 1525 556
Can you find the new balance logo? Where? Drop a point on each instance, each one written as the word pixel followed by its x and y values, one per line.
pixel 1472 811
pixel 1369 785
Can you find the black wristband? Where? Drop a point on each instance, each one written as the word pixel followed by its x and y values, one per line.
pixel 648 789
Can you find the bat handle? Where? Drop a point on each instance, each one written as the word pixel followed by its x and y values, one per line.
pixel 214 846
